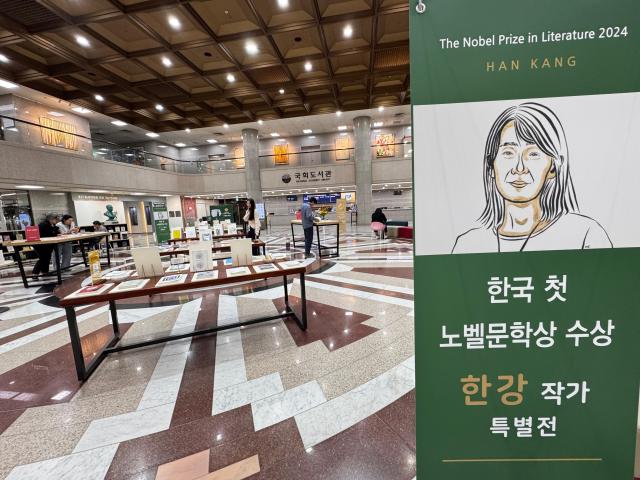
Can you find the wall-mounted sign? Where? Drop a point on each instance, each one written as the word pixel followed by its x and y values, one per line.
pixel 311 175
pixel 96 198
pixel 161 221
pixel 64 135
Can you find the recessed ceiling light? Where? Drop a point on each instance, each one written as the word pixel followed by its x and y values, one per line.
pixel 378 124
pixel 99 98
pixel 56 114
pixel 181 144
pixel 162 146
pixel 118 123
pixel 231 77
pixel 166 195
pixel 376 130
pixel 98 191
pixel 82 41
pixel 223 146
pixel 312 136
pixel 307 130
pixel 381 108
pixel 138 193
pixel 212 140
pixel 274 134
pixel 57 194
pixel 152 134
pixel 347 31
pixel 4 58
pixel 283 3
pixel 29 187
pixel 338 113
pixel 128 155
pixel 281 91
pixel 81 110
pixel 344 134
pixel 251 47
pixel 159 107
pixel 193 148
pixel 308 67
pixel 188 130
pixel 260 122
pixel 342 127
pixel 174 22
pixel 5 84
pixel 166 61
pixel 226 125
pixel 101 153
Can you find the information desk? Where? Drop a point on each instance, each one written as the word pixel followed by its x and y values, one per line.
pixel 70 303
pixel 180 250
pixel 320 246
pixel 81 238
pixel 226 236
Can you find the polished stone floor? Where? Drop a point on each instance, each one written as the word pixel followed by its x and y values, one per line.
pixel 264 402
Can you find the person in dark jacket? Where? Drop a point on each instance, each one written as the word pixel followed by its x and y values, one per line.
pixel 47 229
pixel 379 217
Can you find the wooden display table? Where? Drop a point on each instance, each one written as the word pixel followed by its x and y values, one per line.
pixel 81 238
pixel 84 371
pixel 226 236
pixel 177 250
pixel 319 245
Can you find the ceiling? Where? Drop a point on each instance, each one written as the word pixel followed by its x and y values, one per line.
pixel 209 62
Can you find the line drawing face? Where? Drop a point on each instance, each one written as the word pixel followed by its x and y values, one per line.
pixel 530 200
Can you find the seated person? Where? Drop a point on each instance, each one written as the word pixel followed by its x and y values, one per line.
pixel 99 227
pixel 379 217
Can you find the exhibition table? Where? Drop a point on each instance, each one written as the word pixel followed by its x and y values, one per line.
pixel 321 247
pixel 226 236
pixel 70 303
pixel 81 238
pixel 179 250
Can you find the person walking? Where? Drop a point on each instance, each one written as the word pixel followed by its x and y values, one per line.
pixel 308 217
pixel 252 221
pixel 65 227
pixel 47 229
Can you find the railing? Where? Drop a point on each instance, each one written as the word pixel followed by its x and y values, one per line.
pixel 36 135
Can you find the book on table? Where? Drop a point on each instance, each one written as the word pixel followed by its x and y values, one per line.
pixel 117 274
pixel 90 290
pixel 130 285
pixel 171 280
pixel 266 267
pixel 206 275
pixel 290 264
pixel 237 271
pixel 178 268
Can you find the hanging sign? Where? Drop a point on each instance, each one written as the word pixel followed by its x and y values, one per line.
pixel 526 257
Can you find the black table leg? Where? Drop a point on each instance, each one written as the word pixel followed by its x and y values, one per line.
pixel 303 299
pixel 76 345
pixel 18 259
pixel 56 251
pixel 114 318
pixel 108 252
pixel 286 292
pixel 338 240
pixel 84 256
pixel 293 236
pixel 319 246
pixel 264 249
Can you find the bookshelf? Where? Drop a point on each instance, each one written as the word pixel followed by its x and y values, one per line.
pixel 119 234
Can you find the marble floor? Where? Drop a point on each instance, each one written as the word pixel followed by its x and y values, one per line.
pixel 266 402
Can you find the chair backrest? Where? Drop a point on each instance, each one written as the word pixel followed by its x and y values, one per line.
pixel 377 226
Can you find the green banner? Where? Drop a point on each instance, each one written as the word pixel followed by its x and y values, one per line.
pixel 161 222
pixel 221 212
pixel 526 119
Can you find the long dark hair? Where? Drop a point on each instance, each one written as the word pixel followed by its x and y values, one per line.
pixel 535 124
pixel 252 209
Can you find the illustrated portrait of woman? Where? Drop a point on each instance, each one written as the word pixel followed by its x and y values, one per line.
pixel 530 199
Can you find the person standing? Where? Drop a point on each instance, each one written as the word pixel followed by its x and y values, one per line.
pixel 252 221
pixel 308 217
pixel 65 227
pixel 47 229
